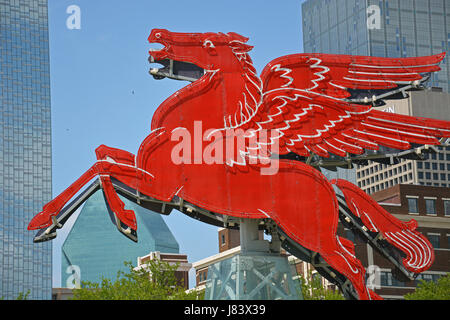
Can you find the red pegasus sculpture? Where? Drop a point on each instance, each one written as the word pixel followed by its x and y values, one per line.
pixel 302 104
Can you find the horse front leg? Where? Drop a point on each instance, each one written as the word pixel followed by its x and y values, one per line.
pixel 111 162
pixel 44 218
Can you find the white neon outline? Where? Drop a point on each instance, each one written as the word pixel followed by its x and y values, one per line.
pixel 109 160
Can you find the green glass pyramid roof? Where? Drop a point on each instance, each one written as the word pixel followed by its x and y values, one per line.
pixel 98 249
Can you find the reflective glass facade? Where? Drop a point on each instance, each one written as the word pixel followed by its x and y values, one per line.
pixel 94 248
pixel 25 146
pixel 406 28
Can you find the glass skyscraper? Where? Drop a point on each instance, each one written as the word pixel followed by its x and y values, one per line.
pixel 25 146
pixel 389 28
pixel 383 28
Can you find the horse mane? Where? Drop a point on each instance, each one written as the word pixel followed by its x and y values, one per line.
pixel 252 95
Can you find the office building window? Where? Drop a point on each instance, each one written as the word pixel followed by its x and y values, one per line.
pixel 430 205
pixel 412 205
pixel 223 239
pixel 387 280
pixel 434 239
pixel 447 208
pixel 426 277
pixel 350 235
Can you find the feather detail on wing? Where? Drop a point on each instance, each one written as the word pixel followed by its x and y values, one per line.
pixel 337 75
pixel 304 122
pixel 304 108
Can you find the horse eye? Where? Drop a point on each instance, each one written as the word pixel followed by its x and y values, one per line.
pixel 208 44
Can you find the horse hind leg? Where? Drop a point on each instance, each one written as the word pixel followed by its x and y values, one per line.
pixel 340 254
pixel 402 235
pixel 315 229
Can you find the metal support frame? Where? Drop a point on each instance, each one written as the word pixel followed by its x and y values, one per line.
pixel 376 99
pixel 252 277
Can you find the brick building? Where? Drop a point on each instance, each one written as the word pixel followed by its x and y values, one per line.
pixel 430 207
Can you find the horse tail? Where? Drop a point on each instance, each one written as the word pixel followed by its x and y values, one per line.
pixel 403 235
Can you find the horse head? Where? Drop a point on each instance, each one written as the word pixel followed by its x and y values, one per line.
pixel 223 57
pixel 209 51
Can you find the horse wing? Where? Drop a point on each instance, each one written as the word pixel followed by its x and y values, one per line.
pixel 340 76
pixel 306 122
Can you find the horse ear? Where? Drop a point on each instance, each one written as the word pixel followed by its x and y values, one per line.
pixel 240 47
pixel 238 37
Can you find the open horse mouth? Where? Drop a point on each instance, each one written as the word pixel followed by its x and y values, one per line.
pixel 173 69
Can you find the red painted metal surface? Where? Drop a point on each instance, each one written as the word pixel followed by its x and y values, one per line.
pixel 211 144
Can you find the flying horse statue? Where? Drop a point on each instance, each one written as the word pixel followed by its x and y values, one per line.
pixel 302 107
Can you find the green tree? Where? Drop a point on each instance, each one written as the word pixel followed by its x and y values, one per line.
pixel 313 289
pixel 21 296
pixel 431 290
pixel 156 282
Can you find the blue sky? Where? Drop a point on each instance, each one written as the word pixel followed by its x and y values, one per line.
pixel 95 70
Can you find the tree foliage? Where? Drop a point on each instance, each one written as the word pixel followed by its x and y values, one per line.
pixel 155 282
pixel 21 296
pixel 313 289
pixel 431 290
